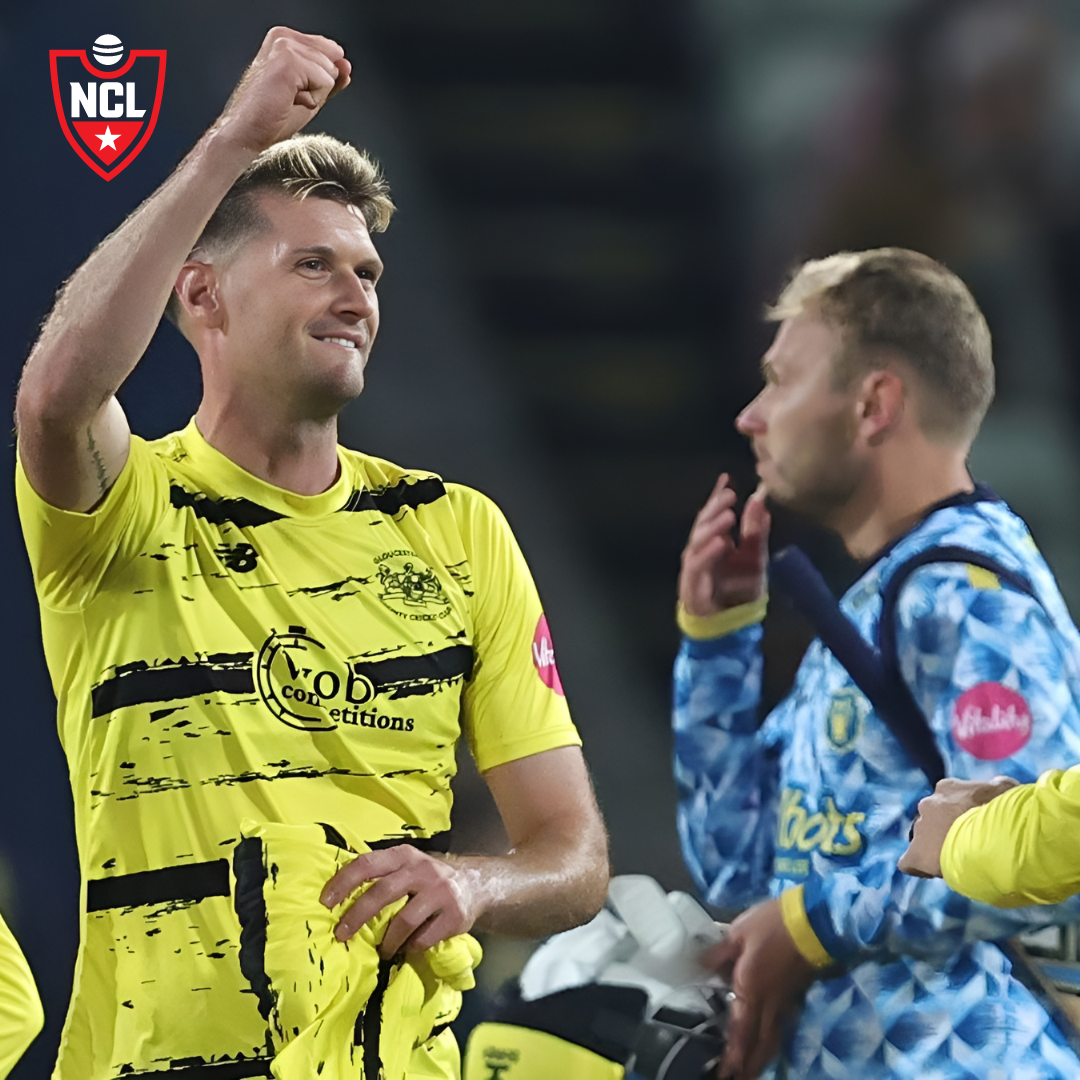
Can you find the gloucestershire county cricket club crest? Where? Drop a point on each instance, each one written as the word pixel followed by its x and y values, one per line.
pixel 107 104
pixel 409 588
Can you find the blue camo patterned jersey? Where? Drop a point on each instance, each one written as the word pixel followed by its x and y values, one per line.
pixel 822 795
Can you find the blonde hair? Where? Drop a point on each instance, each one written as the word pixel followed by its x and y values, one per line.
pixel 893 299
pixel 317 166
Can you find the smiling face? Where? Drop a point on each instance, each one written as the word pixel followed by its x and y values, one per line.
pixel 298 306
pixel 801 427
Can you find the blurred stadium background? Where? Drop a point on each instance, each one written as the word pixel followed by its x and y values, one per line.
pixel 596 199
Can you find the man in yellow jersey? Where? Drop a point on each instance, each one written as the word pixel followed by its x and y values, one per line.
pixel 246 623
pixel 1000 842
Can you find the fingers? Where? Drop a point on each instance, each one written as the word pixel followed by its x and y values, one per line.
pixel 414 919
pixel 363 868
pixel 716 516
pixel 315 75
pixel 742 1028
pixel 436 908
pixel 721 496
pixel 765 1043
pixel 327 46
pixel 291 78
pixel 344 76
pixel 915 860
pixel 722 956
pixel 716 574
pixel 754 528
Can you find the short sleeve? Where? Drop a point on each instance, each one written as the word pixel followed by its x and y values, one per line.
pixel 71 553
pixel 513 706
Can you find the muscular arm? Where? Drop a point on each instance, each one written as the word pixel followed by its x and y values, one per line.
pixel 73 435
pixel 554 877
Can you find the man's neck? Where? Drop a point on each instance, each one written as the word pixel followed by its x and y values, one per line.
pixel 297 455
pixel 896 498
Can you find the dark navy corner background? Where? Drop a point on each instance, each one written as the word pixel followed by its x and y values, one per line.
pixel 55 209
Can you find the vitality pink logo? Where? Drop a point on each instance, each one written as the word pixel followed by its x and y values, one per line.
pixel 991 722
pixel 544 656
pixel 107 115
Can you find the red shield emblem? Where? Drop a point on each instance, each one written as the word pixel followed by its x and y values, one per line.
pixel 107 116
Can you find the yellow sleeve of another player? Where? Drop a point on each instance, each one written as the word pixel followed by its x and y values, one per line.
pixel 71 553
pixel 1022 847
pixel 20 1007
pixel 513 706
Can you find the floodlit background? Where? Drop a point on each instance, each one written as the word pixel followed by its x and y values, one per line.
pixel 596 199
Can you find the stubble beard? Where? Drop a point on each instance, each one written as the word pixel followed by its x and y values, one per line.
pixel 821 480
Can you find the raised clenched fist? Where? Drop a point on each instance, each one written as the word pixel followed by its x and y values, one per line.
pixel 292 76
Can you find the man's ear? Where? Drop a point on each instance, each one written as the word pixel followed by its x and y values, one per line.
pixel 197 290
pixel 881 403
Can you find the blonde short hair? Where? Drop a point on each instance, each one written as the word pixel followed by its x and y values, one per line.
pixel 892 299
pixel 315 166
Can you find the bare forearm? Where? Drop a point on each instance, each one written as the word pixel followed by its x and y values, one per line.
pixel 555 877
pixel 552 883
pixel 108 311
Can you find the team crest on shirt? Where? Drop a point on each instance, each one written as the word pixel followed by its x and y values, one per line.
pixel 409 587
pixel 848 710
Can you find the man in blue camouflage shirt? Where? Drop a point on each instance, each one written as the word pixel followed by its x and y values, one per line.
pixel 875 386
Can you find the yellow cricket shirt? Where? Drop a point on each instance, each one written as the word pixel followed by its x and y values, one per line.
pixel 223 649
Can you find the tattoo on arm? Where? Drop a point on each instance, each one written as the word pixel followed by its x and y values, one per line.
pixel 99 462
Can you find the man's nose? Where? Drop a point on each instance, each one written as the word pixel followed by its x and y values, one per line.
pixel 356 298
pixel 750 421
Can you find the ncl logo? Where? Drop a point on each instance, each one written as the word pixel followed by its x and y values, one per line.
pixel 107 115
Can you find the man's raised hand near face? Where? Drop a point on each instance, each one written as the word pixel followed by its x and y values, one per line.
pixel 719 572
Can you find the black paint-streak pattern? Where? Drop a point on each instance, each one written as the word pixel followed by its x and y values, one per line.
pixel 390 500
pixel 139 683
pixel 190 883
pixel 249 869
pixel 149 785
pixel 408 676
pixel 337 587
pixel 462 574
pixel 200 1069
pixel 368 1028
pixel 242 512
pixel 297 772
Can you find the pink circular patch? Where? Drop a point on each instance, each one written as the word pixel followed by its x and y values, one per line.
pixel 543 656
pixel 991 722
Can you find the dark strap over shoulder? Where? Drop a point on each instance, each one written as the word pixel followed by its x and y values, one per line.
pixel 876 671
pixel 943 554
